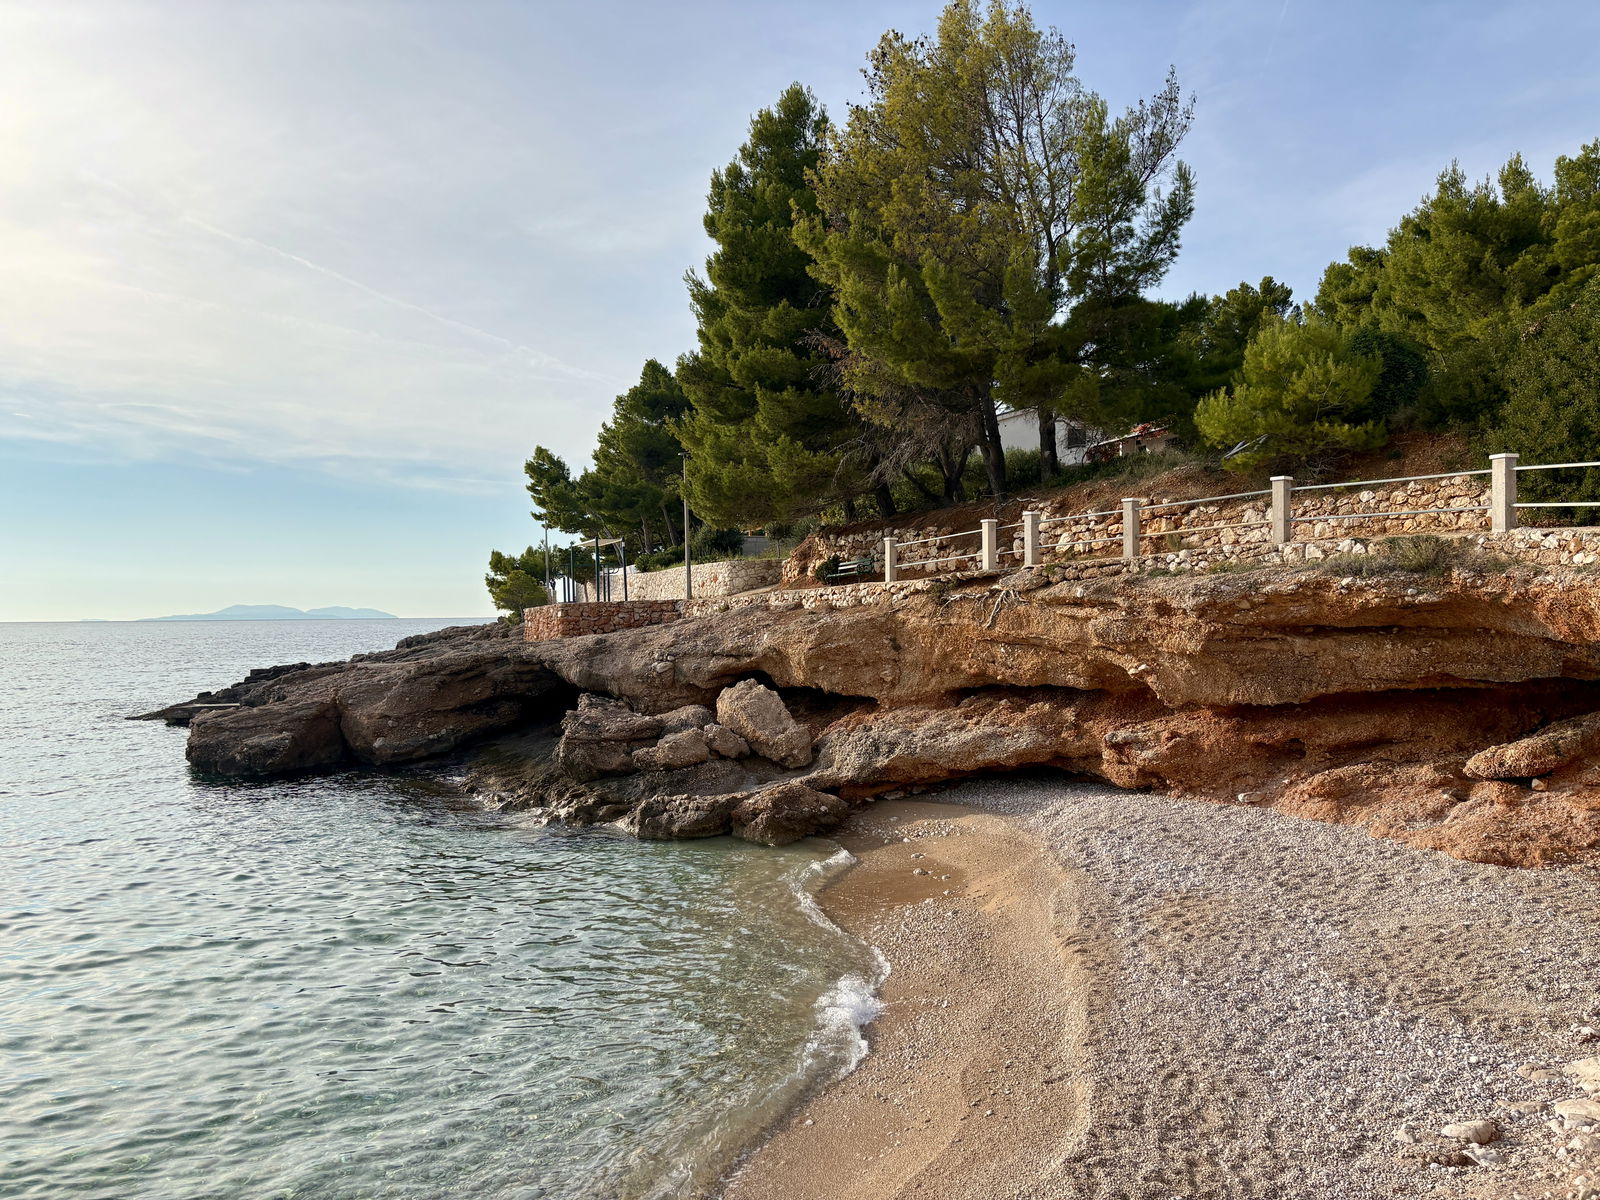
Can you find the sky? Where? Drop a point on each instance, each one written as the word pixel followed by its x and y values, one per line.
pixel 289 290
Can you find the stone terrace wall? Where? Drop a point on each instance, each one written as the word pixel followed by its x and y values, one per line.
pixel 574 620
pixel 710 579
pixel 1065 535
pixel 1540 547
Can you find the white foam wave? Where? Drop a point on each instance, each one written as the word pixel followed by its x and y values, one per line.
pixel 812 876
pixel 839 1042
pixel 843 1013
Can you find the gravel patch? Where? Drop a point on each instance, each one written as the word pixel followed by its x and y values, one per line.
pixel 1284 1008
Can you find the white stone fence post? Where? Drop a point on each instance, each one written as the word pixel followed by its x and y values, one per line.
pixel 890 565
pixel 989 559
pixel 1503 492
pixel 1030 539
pixel 1130 529
pixel 1280 510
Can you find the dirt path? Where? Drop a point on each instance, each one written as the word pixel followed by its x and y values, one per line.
pixel 1131 997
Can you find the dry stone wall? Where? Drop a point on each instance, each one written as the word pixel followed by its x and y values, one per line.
pixel 710 579
pixel 576 619
pixel 1168 527
pixel 1539 547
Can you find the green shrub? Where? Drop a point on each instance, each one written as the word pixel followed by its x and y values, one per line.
pixel 1023 468
pixel 1553 414
pixel 712 544
pixel 1302 397
pixel 658 560
pixel 1424 554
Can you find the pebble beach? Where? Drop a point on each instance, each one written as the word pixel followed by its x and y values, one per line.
pixel 1102 994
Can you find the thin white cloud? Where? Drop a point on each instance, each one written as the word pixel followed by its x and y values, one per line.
pixel 211 250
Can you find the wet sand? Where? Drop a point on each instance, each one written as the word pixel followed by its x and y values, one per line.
pixel 1127 997
pixel 968 1071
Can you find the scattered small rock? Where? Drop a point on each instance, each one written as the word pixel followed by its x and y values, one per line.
pixel 1479 1133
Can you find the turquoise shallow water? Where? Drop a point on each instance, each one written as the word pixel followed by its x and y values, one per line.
pixel 364 986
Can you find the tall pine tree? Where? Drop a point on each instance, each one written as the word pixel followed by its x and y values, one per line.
pixel 767 429
pixel 981 205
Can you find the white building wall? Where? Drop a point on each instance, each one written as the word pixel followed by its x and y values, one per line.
pixel 1020 431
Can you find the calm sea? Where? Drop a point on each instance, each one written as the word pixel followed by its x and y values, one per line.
pixel 363 985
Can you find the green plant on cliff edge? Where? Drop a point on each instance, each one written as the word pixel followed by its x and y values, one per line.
pixel 1420 554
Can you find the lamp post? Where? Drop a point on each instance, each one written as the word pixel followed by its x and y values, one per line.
pixel 688 565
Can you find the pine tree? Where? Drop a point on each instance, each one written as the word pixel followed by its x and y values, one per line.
pixel 767 429
pixel 1470 267
pixel 978 196
pixel 516 582
pixel 1553 413
pixel 1301 397
pixel 632 484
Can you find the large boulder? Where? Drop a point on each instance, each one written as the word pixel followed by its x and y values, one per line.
pixel 600 719
pixel 682 749
pixel 396 712
pixel 599 738
pixel 758 714
pixel 1550 749
pixel 278 739
pixel 786 812
pixel 664 818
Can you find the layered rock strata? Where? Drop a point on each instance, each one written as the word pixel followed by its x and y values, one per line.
pixel 1456 712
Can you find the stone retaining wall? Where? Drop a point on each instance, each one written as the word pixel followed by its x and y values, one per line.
pixel 1540 547
pixel 1065 535
pixel 576 619
pixel 710 579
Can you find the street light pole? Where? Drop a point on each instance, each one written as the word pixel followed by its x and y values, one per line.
pixel 688 564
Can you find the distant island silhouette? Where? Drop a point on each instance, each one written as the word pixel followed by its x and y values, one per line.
pixel 278 612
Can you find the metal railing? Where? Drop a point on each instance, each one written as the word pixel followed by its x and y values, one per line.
pixel 1280 520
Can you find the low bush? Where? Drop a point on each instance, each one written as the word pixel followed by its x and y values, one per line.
pixel 1419 554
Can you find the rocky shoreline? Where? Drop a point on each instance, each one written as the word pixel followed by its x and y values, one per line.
pixel 1270 1004
pixel 1458 712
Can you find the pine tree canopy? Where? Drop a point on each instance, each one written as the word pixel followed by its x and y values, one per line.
pixel 629 490
pixel 766 427
pixel 979 194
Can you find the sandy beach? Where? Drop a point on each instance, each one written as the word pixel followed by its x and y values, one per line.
pixel 1104 994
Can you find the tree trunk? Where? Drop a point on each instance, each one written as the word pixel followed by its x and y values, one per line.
pixel 1049 460
pixel 927 493
pixel 849 510
pixel 953 467
pixel 994 455
pixel 885 499
pixel 666 523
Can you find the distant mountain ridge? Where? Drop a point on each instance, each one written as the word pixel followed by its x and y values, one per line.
pixel 278 612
